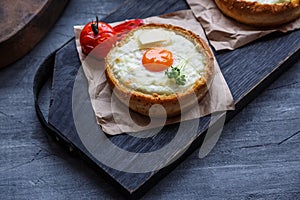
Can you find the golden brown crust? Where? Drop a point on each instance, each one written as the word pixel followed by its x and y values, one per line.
pixel 258 14
pixel 141 102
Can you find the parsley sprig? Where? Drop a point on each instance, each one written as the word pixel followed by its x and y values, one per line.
pixel 176 73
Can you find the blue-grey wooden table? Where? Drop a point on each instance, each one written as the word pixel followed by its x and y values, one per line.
pixel 256 157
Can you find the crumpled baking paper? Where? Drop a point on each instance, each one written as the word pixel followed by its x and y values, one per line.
pixel 116 118
pixel 224 32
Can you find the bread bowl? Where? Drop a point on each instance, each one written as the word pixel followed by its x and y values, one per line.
pixel 261 13
pixel 140 88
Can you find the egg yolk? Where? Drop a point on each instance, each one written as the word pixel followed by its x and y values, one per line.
pixel 157 59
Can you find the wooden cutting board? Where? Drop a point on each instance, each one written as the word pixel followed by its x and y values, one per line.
pixel 23 24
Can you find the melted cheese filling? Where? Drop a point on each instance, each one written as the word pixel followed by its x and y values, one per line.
pixel 269 1
pixel 128 69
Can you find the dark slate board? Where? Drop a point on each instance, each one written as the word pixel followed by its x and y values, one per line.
pixel 247 70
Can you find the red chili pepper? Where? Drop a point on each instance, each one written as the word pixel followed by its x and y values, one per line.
pixel 123 28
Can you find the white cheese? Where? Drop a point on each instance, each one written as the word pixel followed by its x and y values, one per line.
pixel 128 67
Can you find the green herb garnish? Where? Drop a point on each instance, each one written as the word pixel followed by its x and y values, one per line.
pixel 175 73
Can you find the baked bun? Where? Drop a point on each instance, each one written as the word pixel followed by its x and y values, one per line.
pixel 261 13
pixel 140 84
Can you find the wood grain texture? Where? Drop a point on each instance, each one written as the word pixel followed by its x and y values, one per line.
pixel 240 71
pixel 24 25
pixel 257 156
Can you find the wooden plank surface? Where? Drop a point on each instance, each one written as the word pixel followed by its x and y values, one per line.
pixel 23 25
pixel 257 156
pixel 240 68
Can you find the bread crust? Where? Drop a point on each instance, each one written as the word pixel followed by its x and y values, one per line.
pixel 175 103
pixel 258 14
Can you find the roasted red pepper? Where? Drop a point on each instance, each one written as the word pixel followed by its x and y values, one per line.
pixel 99 37
pixel 123 28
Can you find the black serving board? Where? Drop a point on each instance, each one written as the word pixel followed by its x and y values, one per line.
pixel 247 70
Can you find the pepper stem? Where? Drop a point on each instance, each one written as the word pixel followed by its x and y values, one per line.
pixel 97 22
pixel 95 27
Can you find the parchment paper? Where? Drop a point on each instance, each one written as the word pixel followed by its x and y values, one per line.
pixel 115 118
pixel 224 32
